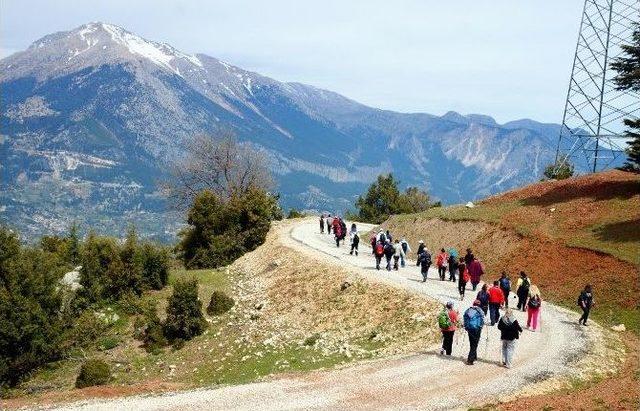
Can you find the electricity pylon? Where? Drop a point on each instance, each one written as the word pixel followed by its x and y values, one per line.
pixel 592 136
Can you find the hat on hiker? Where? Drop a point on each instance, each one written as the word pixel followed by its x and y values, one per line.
pixel 476 302
pixel 420 242
pixel 449 304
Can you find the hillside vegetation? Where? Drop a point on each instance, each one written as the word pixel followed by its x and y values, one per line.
pixel 563 233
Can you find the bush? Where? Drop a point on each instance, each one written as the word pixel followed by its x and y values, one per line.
pixel 31 322
pixel 559 171
pixel 221 231
pixel 111 271
pixel 153 336
pixel 86 329
pixel 93 372
pixel 294 213
pixel 184 312
pixel 383 198
pixel 220 303
pixel 108 343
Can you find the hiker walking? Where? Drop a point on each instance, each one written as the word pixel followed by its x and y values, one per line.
pixel 420 248
pixel 378 252
pixel 354 237
pixel 483 297
pixel 389 238
pixel 468 257
pixel 585 301
pixel 322 224
pixel 381 237
pixel 509 332
pixel 533 308
pixel 329 223
pixel 453 264
pixel 399 253
pixel 337 231
pixel 475 272
pixel 373 240
pixel 505 286
pixel 424 261
pixel 343 229
pixel 522 290
pixel 473 323
pixel 441 262
pixel 496 299
pixel 448 322
pixel 405 249
pixel 389 251
pixel 463 277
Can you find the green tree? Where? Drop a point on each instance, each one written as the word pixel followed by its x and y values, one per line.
pixel 383 198
pixel 73 244
pixel 628 78
pixel 184 312
pixel 561 170
pixel 31 321
pixel 221 231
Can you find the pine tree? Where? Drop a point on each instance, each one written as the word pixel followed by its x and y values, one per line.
pixel 628 78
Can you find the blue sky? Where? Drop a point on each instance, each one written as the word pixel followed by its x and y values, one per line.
pixel 505 58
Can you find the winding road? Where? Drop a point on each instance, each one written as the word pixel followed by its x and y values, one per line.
pixel 421 381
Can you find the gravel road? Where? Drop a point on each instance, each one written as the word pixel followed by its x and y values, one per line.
pixel 425 380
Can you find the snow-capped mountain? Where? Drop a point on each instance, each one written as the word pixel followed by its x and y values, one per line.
pixel 91 118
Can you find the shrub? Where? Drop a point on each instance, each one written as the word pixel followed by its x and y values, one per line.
pixel 86 328
pixel 184 312
pixel 559 171
pixel 31 323
pixel 108 343
pixel 220 303
pixel 155 263
pixel 221 231
pixel 153 338
pixel 294 213
pixel 311 340
pixel 93 372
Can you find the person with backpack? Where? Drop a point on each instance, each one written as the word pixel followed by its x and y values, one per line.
pixel 585 301
pixel 448 322
pixel 505 286
pixel 381 237
pixel 509 332
pixel 468 257
pixel 441 263
pixel 354 237
pixel 522 290
pixel 420 248
pixel 399 253
pixel 463 277
pixel 389 251
pixel 378 252
pixel 473 323
pixel 453 264
pixel 337 231
pixel 389 238
pixel 475 272
pixel 405 249
pixel 483 297
pixel 533 308
pixel 373 240
pixel 322 224
pixel 343 229
pixel 424 261
pixel 496 299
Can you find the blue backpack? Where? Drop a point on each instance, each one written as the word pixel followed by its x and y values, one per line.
pixel 505 283
pixel 473 320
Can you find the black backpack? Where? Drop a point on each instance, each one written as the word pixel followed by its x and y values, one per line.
pixel 405 247
pixel 388 249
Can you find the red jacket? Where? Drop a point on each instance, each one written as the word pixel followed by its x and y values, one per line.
pixel 475 271
pixel 337 228
pixel 496 295
pixel 440 259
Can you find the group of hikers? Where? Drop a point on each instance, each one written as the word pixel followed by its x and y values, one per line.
pixel 489 300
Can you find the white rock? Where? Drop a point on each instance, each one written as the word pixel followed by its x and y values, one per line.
pixel 619 328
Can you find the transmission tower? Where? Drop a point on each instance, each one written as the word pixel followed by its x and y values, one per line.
pixel 592 136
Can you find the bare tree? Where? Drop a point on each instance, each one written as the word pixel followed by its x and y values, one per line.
pixel 221 165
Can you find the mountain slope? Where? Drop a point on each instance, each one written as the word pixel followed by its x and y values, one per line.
pixel 91 118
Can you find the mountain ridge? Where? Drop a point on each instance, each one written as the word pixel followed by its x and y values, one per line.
pixel 98 112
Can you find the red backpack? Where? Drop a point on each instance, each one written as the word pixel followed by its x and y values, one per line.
pixel 379 248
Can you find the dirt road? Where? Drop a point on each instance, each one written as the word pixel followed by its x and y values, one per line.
pixel 425 380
